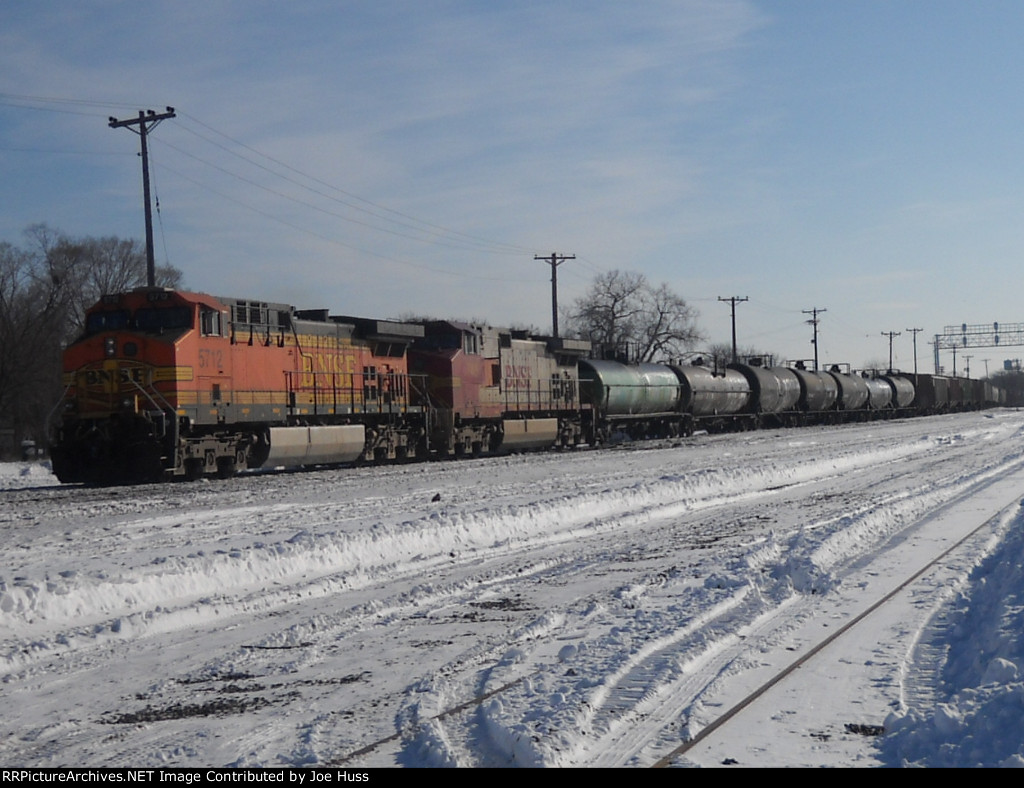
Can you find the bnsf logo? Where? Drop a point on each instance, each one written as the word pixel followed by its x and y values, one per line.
pixel 104 377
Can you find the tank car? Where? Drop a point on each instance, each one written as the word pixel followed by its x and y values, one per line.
pixel 902 390
pixel 713 399
pixel 775 392
pixel 880 394
pixel 852 391
pixel 819 392
pixel 639 399
pixel 165 383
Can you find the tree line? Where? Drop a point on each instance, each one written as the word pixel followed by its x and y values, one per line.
pixel 46 284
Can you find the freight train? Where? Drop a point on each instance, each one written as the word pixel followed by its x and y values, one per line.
pixel 167 384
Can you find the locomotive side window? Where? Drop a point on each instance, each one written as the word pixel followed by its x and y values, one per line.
pixel 210 322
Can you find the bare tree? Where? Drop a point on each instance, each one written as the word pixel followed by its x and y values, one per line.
pixel 44 291
pixel 720 354
pixel 624 316
pixel 88 268
pixel 31 327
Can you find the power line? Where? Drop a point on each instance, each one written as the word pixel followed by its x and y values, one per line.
pixel 446 236
pixel 498 245
pixel 277 218
pixel 319 209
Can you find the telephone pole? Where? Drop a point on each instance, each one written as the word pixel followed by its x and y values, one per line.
pixel 814 312
pixel 891 335
pixel 146 122
pixel 554 261
pixel 915 332
pixel 733 301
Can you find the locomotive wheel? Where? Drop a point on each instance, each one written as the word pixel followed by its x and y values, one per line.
pixel 226 467
pixel 194 467
pixel 143 465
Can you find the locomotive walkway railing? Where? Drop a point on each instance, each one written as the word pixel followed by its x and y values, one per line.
pixel 338 393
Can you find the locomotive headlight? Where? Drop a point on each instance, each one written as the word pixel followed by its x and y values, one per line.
pixel 109 346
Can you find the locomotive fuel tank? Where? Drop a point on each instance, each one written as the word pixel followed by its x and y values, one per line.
pixel 296 446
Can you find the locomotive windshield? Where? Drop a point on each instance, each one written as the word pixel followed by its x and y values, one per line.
pixel 109 320
pixel 163 318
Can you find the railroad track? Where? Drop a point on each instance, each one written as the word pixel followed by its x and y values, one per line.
pixel 652 599
pixel 694 718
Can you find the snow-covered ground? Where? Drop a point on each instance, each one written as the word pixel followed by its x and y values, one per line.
pixel 573 609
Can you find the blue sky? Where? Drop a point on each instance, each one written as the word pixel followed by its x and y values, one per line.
pixel 394 157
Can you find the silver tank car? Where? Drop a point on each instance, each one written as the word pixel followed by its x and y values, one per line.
pixel 818 390
pixel 903 390
pixel 853 391
pixel 775 389
pixel 880 393
pixel 706 394
pixel 629 389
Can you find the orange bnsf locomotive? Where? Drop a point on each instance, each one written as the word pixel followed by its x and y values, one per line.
pixel 166 384
pixel 495 389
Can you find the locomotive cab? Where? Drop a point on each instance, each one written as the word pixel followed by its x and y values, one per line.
pixel 118 415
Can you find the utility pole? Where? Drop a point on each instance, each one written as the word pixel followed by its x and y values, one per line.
pixel 146 122
pixel 554 261
pixel 915 332
pixel 733 301
pixel 891 335
pixel 814 312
